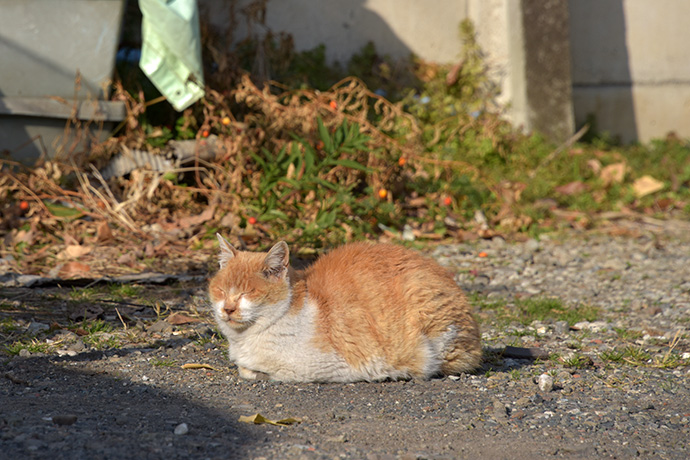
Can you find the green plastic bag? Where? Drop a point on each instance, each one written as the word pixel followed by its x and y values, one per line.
pixel 171 50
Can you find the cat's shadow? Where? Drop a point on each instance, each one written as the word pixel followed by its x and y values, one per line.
pixel 506 359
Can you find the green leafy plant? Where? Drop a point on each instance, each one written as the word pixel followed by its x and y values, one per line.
pixel 309 188
pixel 33 346
pixel 577 361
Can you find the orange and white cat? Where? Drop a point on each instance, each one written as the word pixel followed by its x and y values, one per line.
pixel 361 312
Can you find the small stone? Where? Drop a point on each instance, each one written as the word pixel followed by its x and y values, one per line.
pixel 77 346
pixel 24 353
pixel 522 402
pixel 181 429
pixel 498 242
pixel 531 245
pixel 561 327
pixel 160 326
pixel 34 328
pixel 340 439
pixel 64 420
pixel 596 326
pixel 545 383
pixel 614 264
pixel 500 412
pixel 408 233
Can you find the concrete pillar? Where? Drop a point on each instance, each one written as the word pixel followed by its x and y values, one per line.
pixel 527 42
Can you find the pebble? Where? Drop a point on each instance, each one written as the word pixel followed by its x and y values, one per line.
pixel 160 326
pixel 181 429
pixel 531 245
pixel 561 327
pixel 339 438
pixel 64 419
pixel 545 383
pixel 35 327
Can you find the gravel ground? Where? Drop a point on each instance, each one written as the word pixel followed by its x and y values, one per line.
pixel 611 386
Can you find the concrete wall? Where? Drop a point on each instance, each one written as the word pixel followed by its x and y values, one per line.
pixel 627 63
pixel 427 28
pixel 631 66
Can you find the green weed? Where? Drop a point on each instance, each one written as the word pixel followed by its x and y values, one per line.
pixel 612 356
pixel 33 346
pixel 541 309
pixel 123 291
pixel 102 341
pixel 84 294
pixel 627 334
pixel 7 325
pixel 515 375
pixel 95 326
pixel 577 361
pixel 636 356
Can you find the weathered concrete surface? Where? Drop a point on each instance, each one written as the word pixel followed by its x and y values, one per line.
pixel 547 68
pixel 631 66
pixel 527 47
pixel 398 28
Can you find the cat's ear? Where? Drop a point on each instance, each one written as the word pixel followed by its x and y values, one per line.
pixel 227 252
pixel 277 261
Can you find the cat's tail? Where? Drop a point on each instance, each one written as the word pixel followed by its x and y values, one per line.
pixel 465 353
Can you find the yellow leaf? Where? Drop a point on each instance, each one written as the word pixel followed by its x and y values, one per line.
pixel 74 251
pixel 198 366
pixel 613 174
pixel 595 165
pixel 259 419
pixel 646 185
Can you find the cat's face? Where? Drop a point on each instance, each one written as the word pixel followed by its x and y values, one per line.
pixel 248 285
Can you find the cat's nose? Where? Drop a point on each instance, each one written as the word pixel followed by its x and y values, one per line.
pixel 229 308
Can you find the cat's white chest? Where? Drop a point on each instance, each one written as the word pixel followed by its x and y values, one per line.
pixel 285 350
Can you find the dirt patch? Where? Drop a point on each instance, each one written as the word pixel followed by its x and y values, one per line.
pixel 99 372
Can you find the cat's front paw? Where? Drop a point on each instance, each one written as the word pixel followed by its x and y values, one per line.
pixel 251 375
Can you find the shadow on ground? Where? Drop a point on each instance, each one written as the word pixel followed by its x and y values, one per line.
pixel 115 418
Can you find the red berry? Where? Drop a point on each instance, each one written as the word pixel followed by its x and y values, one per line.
pixel 23 205
pixel 251 220
pixel 447 201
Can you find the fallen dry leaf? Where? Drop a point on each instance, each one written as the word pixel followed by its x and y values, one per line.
pixel 103 233
pixel 664 203
pixel 595 165
pixel 24 236
pixel 74 251
pixel 613 174
pixel 192 221
pixel 198 366
pixel 646 185
pixel 259 419
pixel 127 259
pixel 74 270
pixel 180 318
pixel 571 188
